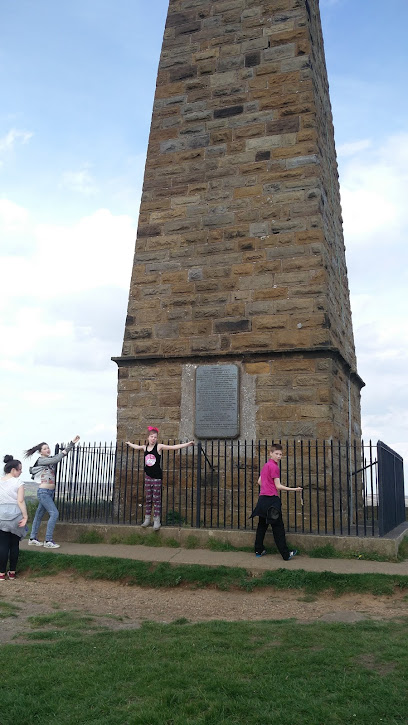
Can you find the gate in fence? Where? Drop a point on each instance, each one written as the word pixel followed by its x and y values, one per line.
pixel 348 489
pixel 391 510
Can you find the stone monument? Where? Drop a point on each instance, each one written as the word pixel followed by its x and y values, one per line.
pixel 239 321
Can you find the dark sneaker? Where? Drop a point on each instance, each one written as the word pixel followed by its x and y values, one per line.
pixel 262 553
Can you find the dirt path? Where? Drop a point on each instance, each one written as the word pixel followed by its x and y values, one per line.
pixel 118 606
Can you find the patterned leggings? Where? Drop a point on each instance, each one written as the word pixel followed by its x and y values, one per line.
pixel 153 487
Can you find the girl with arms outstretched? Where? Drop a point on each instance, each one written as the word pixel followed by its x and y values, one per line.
pixel 154 474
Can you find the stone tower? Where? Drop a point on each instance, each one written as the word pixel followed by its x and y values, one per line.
pixel 240 257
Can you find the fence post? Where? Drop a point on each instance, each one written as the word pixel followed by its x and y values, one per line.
pixel 198 497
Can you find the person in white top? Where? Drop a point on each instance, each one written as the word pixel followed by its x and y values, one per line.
pixel 13 516
pixel 43 473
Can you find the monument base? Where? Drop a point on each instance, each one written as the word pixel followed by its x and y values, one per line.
pixel 309 394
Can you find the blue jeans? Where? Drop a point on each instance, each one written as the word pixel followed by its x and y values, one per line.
pixel 46 503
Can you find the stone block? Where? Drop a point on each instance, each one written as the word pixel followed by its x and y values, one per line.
pixel 247 191
pixel 232 326
pixel 195 274
pixel 258 229
pixel 272 293
pixel 136 333
pixel 279 52
pixel 169 398
pixel 168 330
pixel 269 322
pixel 242 342
pixel 319 411
pixel 292 339
pixel 205 344
pixel 252 59
pixel 228 111
pixel 195 328
pixel 260 368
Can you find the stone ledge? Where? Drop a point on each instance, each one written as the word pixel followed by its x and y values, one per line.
pixel 385 546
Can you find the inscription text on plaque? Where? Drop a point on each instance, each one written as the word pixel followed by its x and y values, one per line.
pixel 217 401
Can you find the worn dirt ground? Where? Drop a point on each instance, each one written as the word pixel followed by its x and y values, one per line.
pixel 118 606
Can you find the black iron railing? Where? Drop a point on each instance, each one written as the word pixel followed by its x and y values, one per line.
pixel 214 486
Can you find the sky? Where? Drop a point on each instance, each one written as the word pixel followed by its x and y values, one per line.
pixel 78 84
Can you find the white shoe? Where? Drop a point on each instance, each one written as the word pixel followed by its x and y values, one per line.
pixel 51 545
pixel 34 542
pixel 146 522
pixel 156 524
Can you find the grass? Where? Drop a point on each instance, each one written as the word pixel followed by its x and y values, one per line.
pixel 214 673
pixel 91 537
pixel 163 574
pixel 329 552
pixel 403 549
pixel 60 625
pixel 144 539
pixel 217 545
pixel 8 610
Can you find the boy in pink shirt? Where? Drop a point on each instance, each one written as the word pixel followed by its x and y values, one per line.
pixel 269 507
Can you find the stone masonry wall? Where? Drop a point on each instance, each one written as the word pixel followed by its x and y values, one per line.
pixel 240 253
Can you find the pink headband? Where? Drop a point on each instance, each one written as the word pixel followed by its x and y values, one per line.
pixel 151 428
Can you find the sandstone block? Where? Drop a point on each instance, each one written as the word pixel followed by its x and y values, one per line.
pixel 321 412
pixel 272 293
pixel 270 322
pixel 261 368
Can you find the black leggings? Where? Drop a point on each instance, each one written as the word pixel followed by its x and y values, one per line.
pixel 9 547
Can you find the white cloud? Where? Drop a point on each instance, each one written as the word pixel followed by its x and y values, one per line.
pixel 95 251
pixel 373 193
pixel 80 181
pixel 12 216
pixel 14 136
pixel 373 190
pixel 353 147
pixel 65 306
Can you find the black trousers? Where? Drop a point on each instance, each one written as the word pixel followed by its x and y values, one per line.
pixel 278 530
pixel 9 547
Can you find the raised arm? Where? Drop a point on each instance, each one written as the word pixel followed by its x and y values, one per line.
pixel 47 461
pixel 176 447
pixel 135 446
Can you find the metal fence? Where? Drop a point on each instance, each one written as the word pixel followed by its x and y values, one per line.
pixel 215 485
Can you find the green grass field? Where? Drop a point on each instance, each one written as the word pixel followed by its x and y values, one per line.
pixel 215 673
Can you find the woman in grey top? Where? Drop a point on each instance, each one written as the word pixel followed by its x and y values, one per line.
pixel 43 472
pixel 13 516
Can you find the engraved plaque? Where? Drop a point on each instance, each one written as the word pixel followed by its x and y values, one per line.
pixel 217 401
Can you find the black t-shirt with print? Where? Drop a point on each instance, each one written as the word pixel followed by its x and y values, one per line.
pixel 152 463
